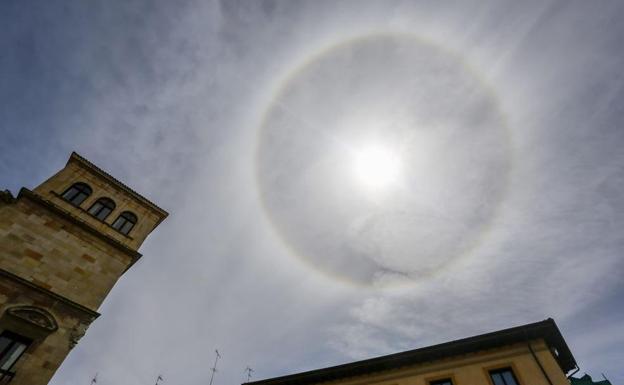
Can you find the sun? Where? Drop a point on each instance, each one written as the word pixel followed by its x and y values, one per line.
pixel 376 167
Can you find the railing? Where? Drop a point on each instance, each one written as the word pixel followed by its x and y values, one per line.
pixel 6 376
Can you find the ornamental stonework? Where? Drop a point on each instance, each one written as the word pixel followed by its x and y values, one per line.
pixel 35 316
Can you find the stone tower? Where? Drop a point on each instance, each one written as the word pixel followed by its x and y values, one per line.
pixel 63 246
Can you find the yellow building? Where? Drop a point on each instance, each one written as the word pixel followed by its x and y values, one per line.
pixel 533 354
pixel 62 248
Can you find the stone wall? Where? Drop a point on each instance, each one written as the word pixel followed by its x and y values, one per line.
pixel 53 188
pixel 49 349
pixel 58 262
pixel 56 254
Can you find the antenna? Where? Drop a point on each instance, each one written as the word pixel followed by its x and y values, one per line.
pixel 248 370
pixel 214 368
pixel 159 379
pixel 94 380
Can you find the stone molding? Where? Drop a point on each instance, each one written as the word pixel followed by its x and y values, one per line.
pixel 76 333
pixel 91 314
pixel 35 316
pixel 6 196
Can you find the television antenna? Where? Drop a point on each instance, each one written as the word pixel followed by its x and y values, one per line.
pixel 214 368
pixel 248 370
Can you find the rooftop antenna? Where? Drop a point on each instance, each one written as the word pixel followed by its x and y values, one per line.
pixel 214 368
pixel 159 379
pixel 94 380
pixel 248 370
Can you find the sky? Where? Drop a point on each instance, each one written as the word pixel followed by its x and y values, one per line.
pixel 345 179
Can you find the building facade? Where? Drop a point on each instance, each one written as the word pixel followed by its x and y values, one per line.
pixel 533 354
pixel 63 246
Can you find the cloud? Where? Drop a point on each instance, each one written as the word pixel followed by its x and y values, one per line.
pixel 170 99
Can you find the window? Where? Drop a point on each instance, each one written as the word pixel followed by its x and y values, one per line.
pixel 77 193
pixel 125 222
pixel 445 381
pixel 503 377
pixel 12 346
pixel 101 208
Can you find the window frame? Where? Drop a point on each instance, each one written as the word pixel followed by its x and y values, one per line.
pixel 102 208
pixel 124 216
pixel 441 381
pixel 510 366
pixel 14 340
pixel 81 188
pixel 450 377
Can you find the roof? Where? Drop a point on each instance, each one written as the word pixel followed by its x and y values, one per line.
pixel 546 330
pixel 103 174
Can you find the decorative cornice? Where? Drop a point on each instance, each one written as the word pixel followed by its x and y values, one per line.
pixel 36 198
pixel 91 313
pixel 6 197
pixel 76 333
pixel 75 157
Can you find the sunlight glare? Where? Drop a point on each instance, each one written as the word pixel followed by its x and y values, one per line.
pixel 376 167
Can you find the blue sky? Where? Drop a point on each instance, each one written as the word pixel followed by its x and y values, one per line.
pixel 508 121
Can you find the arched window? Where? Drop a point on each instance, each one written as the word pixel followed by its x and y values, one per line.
pixel 125 222
pixel 101 208
pixel 77 193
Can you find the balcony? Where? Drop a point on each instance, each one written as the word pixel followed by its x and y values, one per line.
pixel 6 376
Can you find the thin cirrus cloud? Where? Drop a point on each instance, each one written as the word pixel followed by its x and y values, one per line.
pixel 172 100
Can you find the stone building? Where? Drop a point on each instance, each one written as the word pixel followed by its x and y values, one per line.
pixel 63 246
pixel 533 354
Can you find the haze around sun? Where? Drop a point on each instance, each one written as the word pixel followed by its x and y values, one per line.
pixel 383 160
